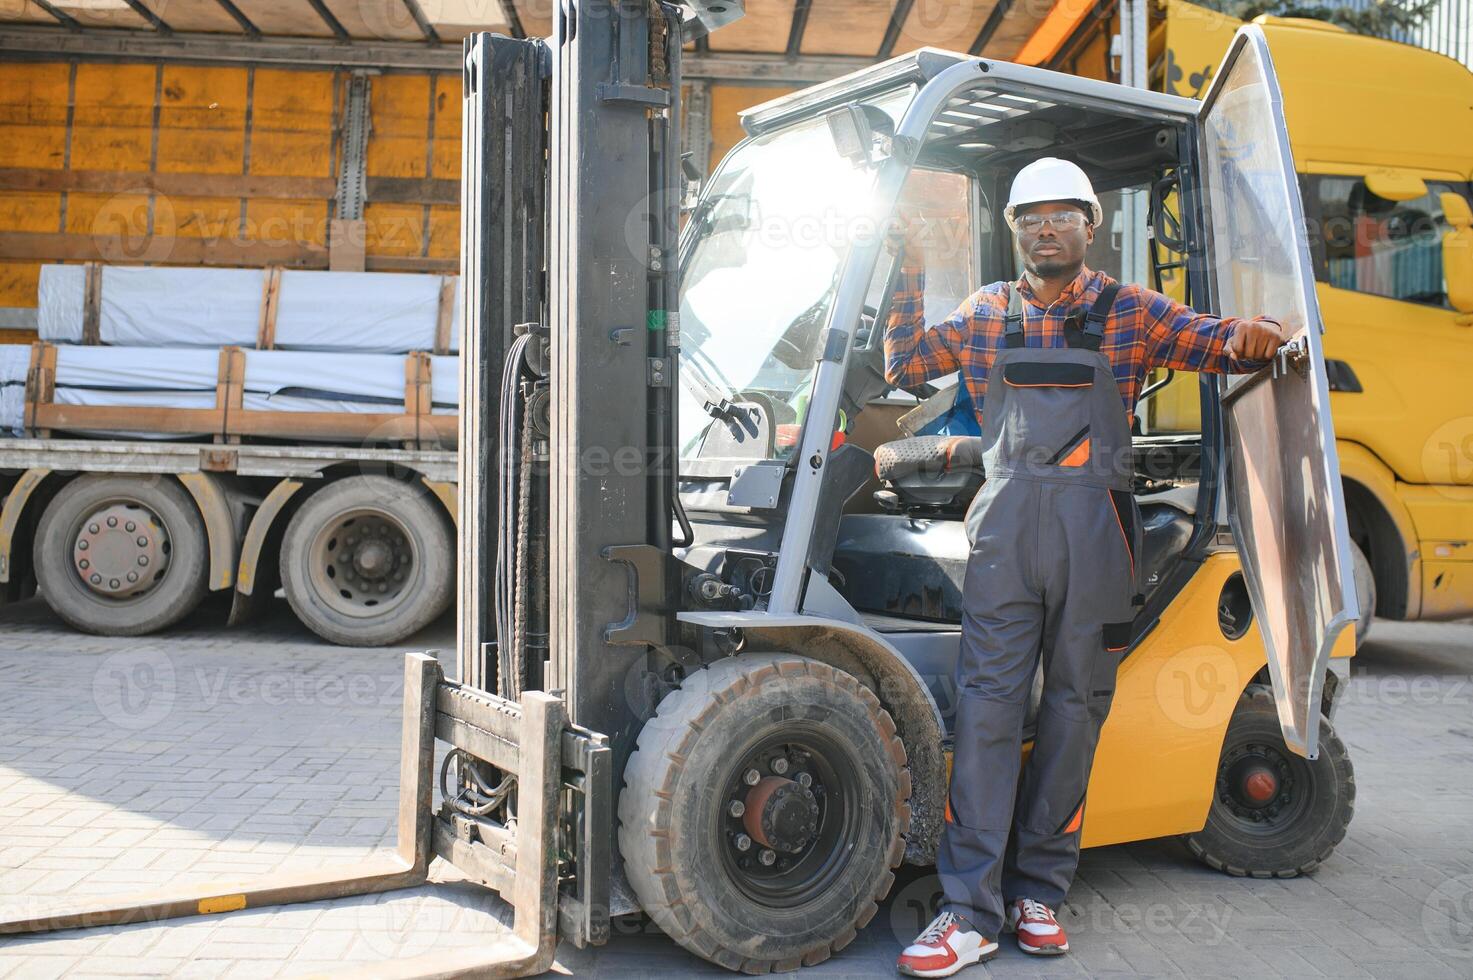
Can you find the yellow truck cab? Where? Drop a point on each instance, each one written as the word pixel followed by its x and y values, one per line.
pixel 1383 145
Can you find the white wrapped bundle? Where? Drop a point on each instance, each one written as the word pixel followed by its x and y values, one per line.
pixel 162 306
pixel 15 361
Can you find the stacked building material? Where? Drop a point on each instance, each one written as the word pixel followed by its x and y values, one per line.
pixel 174 347
pixel 163 306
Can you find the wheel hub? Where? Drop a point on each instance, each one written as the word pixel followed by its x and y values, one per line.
pixel 364 563
pixel 1256 783
pixel 781 814
pixel 121 550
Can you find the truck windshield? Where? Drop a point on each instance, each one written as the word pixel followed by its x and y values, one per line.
pixel 770 236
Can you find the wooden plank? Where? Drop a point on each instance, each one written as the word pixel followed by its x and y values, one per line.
pixel 229 391
pixel 270 293
pixel 949 24
pixel 846 26
pixel 194 15
pixel 92 305
pixel 764 28
pixel 445 315
pixel 181 184
pixel 285 17
pixel 160 249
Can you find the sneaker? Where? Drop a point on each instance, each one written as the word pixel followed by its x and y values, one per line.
pixel 1039 933
pixel 947 945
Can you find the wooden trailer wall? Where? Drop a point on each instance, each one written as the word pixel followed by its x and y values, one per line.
pixel 209 165
pixel 180 164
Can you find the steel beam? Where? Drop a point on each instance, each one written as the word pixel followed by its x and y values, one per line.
pixel 62 16
pixel 240 18
pixel 19 42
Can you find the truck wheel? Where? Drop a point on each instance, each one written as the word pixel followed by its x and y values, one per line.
pixel 762 811
pixel 1274 813
pixel 1365 592
pixel 122 555
pixel 368 560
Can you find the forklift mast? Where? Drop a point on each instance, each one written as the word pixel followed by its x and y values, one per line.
pixel 570 215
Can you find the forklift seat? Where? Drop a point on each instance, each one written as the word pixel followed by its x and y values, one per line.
pixel 935 471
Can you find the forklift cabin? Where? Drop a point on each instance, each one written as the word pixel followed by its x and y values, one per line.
pixel 704 657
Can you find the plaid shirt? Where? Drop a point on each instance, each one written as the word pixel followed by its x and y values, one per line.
pixel 1145 330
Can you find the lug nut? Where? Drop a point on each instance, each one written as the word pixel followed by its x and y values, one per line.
pixel 84 564
pixel 737 808
pixel 767 857
pixel 143 559
pixel 752 777
pixel 95 579
pixel 743 842
pixel 804 779
pixel 82 545
pixel 130 527
pixel 112 522
pixel 142 541
pixel 132 576
pixel 780 765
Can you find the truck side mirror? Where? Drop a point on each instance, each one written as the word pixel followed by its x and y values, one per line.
pixel 1457 251
pixel 1395 185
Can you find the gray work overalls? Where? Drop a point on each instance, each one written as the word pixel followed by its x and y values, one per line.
pixel 1055 535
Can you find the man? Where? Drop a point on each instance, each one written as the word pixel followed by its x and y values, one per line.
pixel 1054 364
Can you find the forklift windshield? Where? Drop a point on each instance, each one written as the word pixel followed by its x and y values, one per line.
pixel 762 260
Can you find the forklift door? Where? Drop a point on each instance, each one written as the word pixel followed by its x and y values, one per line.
pixel 1284 499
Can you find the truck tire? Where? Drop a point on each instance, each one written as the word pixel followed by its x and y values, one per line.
pixel 1274 814
pixel 122 555
pixel 1365 592
pixel 367 561
pixel 763 810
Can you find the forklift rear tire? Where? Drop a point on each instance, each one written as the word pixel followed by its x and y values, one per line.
pixel 763 810
pixel 122 555
pixel 368 561
pixel 1274 814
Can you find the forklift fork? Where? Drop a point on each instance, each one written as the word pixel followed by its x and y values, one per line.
pixel 531 739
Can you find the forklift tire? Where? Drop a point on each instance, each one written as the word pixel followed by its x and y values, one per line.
pixel 122 555
pixel 763 810
pixel 1274 814
pixel 367 561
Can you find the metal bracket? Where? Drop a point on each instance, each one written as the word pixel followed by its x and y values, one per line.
pixel 833 345
pixel 659 373
pixel 352 175
pixel 639 95
pixel 644 624
pixel 1295 355
pixel 758 486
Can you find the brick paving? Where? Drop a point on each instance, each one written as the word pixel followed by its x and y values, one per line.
pixel 208 754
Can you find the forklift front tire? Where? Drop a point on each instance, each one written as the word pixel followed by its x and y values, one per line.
pixel 763 811
pixel 1274 814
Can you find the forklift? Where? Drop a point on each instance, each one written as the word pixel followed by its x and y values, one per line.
pixel 711 559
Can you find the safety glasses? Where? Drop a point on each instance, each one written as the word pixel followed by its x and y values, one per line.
pixel 1061 220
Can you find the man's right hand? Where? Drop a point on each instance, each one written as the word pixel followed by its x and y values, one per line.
pixel 907 234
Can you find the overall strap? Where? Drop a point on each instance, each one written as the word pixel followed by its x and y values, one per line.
pixel 1094 321
pixel 1012 329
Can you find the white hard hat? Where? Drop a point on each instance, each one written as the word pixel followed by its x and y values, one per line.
pixel 1051 179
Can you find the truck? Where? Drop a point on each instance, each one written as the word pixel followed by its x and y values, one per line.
pixel 704 669
pixel 349 512
pixel 1387 212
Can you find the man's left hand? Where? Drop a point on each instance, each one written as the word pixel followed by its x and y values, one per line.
pixel 1258 339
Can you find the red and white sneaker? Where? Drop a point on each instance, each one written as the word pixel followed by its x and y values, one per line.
pixel 1039 933
pixel 947 945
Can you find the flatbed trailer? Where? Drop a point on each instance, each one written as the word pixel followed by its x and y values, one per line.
pixel 126 537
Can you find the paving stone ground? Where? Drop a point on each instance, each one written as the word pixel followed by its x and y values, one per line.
pixel 208 754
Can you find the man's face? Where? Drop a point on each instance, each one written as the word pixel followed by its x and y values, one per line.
pixel 1051 250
